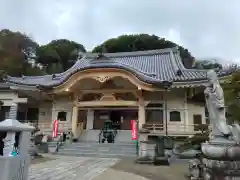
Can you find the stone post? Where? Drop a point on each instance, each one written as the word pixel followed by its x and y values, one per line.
pixel 14 140
pixel 13 111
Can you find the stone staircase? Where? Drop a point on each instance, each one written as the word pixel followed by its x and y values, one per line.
pixel 89 136
pixel 88 146
pixel 124 136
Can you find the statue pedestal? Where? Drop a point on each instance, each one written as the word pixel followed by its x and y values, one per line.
pixel 219 160
pixel 221 149
pixel 220 170
pixel 220 157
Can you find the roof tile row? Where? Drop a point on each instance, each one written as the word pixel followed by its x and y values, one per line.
pixel 153 67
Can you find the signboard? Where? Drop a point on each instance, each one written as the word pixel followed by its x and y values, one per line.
pixel 134 129
pixel 55 129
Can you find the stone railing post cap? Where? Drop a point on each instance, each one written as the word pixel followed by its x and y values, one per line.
pixel 14 125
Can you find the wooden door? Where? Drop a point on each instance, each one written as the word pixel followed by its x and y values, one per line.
pixel 82 117
pixel 197 119
pixel 100 116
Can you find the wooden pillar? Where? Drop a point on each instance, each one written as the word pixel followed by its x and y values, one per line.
pixel 74 121
pixel 141 111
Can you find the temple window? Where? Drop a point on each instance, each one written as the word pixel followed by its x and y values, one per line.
pixel 197 119
pixel 154 113
pixel 62 116
pixel 175 116
pixel 32 114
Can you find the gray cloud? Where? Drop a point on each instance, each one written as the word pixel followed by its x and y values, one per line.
pixel 206 28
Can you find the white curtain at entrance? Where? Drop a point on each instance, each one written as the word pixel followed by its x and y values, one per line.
pixel 90 119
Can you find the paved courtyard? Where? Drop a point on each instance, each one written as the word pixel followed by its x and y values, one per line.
pixel 79 168
pixel 87 168
pixel 70 168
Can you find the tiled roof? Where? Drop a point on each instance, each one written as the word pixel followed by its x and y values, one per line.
pixel 153 66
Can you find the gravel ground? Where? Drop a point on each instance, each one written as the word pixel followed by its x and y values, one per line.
pixel 176 171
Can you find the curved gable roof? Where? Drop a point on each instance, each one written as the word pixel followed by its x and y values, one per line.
pixel 154 66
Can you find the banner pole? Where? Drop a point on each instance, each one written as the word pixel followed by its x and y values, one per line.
pixel 135 129
pixel 137 143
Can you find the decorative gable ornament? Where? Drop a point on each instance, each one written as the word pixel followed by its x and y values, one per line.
pixel 102 78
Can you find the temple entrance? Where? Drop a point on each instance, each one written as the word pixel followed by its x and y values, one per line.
pixel 116 116
pixel 121 117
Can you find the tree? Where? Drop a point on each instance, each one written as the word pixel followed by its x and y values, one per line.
pixel 207 64
pixel 16 52
pixel 60 53
pixel 141 42
pixel 195 141
pixel 232 97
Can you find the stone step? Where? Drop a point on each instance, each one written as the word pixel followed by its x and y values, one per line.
pixel 118 145
pixel 72 150
pixel 118 150
pixel 96 141
pixel 88 145
pixel 93 136
pixel 89 135
pixel 113 148
pixel 96 154
pixel 124 135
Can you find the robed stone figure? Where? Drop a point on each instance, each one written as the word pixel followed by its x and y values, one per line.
pixel 215 104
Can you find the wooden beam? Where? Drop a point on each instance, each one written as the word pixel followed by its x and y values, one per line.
pixel 106 103
pixel 20 100
pixel 107 90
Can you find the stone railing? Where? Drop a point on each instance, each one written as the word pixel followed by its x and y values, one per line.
pixel 175 129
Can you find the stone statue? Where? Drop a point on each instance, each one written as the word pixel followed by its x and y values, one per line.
pixel 219 158
pixel 215 104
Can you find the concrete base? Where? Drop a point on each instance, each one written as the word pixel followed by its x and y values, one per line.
pixel 157 161
pixel 43 148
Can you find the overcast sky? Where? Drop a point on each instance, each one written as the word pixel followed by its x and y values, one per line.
pixel 208 28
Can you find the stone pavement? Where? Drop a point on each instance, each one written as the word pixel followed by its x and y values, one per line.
pixel 70 168
pixel 111 174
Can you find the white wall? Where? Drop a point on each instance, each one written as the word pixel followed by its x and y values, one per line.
pixel 45 112
pixel 48 112
pixel 176 101
pixel 195 109
pixel 62 104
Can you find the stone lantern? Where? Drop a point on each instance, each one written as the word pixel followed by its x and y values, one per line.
pixel 14 145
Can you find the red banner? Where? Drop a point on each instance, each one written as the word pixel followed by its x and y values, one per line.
pixel 134 129
pixel 55 129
